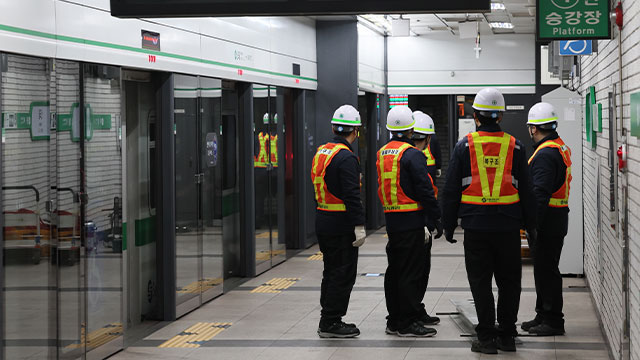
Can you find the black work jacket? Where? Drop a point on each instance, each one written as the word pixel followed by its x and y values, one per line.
pixel 414 181
pixel 343 181
pixel 548 171
pixel 487 217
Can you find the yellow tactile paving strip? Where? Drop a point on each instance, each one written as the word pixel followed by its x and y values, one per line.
pixel 202 285
pixel 317 256
pixel 275 285
pixel 266 255
pixel 196 335
pixel 99 337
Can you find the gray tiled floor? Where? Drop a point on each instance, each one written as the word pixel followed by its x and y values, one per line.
pixel 283 326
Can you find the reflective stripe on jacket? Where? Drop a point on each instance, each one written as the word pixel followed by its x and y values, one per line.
pixel 431 161
pixel 325 199
pixel 390 192
pixel 491 183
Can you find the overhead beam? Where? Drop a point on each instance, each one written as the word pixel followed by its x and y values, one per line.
pixel 205 8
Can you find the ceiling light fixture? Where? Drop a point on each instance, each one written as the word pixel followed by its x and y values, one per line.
pixel 498 6
pixel 501 25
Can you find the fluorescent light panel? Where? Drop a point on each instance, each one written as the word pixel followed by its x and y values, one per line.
pixel 498 6
pixel 501 25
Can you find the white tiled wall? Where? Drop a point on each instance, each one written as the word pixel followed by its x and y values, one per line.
pixel 603 258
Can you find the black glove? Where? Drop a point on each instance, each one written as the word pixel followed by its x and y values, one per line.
pixel 439 229
pixel 448 235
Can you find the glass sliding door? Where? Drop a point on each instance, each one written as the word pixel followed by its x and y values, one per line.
pixel 213 205
pixel 28 222
pixel 262 164
pixel 187 181
pixel 62 267
pixel 269 171
pixel 198 183
pixel 70 249
pixel 103 211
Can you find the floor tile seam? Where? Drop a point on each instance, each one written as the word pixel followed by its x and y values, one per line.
pixel 315 308
pixel 445 287
pixel 372 310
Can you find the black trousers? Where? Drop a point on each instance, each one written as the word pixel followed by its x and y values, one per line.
pixel 489 254
pixel 427 272
pixel 340 266
pixel 546 259
pixel 404 283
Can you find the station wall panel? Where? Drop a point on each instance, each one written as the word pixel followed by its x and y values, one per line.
pixel 603 260
pixel 247 49
pixel 371 55
pixel 444 64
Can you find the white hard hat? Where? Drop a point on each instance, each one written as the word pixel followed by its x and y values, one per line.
pixel 542 113
pixel 424 123
pixel 400 118
pixel 346 115
pixel 265 118
pixel 489 99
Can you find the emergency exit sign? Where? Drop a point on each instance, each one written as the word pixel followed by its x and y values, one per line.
pixel 573 19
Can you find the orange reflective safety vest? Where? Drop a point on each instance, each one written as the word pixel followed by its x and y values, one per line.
pixel 559 198
pixel 389 190
pixel 265 141
pixel 325 199
pixel 491 181
pixel 431 161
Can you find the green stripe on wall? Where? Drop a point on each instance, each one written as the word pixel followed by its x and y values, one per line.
pixel 76 40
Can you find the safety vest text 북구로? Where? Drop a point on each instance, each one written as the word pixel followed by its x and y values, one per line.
pixel 325 199
pixel 390 192
pixel 491 183
pixel 560 198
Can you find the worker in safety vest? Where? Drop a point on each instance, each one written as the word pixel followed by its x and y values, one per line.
pixel 265 161
pixel 340 218
pixel 409 205
pixel 433 164
pixel 488 185
pixel 267 146
pixel 422 135
pixel 550 168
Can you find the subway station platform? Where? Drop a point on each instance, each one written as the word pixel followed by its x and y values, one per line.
pixel 275 316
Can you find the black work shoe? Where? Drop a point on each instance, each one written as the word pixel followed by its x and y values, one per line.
pixel 429 320
pixel 506 343
pixel 338 330
pixel 485 347
pixel 416 329
pixel 546 330
pixel 529 324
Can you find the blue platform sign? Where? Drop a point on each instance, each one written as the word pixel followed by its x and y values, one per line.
pixel 576 47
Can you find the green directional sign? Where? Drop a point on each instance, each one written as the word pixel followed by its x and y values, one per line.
pixel 573 19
